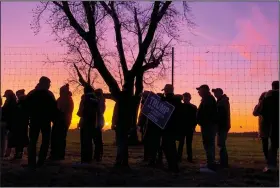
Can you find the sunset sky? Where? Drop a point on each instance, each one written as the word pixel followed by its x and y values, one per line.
pixel 235 47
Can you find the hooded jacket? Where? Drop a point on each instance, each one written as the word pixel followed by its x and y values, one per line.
pixel 207 111
pixel 89 109
pixel 173 125
pixel 223 112
pixel 41 105
pixel 270 110
pixel 65 103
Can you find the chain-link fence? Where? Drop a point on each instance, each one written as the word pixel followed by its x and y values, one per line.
pixel 243 72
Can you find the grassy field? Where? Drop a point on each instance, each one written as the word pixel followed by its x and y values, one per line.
pixel 246 161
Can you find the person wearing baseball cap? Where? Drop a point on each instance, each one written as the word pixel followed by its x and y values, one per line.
pixel 168 88
pixel 9 116
pixel 207 119
pixel 203 87
pixel 171 132
pixel 223 109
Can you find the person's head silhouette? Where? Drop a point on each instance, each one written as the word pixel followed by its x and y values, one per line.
pixel 168 89
pixel 275 85
pixel 9 95
pixel 64 91
pixel 203 90
pixel 44 83
pixel 20 93
pixel 218 93
pixel 187 97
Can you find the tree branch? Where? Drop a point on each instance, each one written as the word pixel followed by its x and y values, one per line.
pixel 155 19
pixel 72 20
pixel 138 29
pixel 81 79
pixel 90 11
pixel 117 25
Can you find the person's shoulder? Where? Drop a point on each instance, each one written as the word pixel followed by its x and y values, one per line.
pixel 209 99
pixel 31 92
pixel 193 106
pixel 51 94
pixel 271 93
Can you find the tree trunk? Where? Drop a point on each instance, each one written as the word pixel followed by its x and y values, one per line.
pixel 124 123
pixel 133 137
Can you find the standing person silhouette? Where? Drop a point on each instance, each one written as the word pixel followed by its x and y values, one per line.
pixel 169 134
pixel 60 128
pixel 188 126
pixel 88 113
pixel 22 125
pixel 3 129
pixel 42 109
pixel 270 113
pixel 264 126
pixel 224 124
pixel 9 116
pixel 207 119
pixel 100 124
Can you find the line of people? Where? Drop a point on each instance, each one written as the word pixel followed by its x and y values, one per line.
pixel 212 115
pixel 39 109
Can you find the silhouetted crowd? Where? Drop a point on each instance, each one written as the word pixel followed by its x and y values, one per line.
pixel 39 111
pixel 212 116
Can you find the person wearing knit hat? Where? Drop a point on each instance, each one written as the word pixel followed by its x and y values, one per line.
pixel 60 128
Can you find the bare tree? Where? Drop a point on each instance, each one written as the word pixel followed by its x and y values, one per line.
pixel 144 33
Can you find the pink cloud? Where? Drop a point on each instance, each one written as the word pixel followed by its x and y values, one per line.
pixel 254 31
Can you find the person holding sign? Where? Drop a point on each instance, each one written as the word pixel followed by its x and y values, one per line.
pixel 170 132
pixel 207 119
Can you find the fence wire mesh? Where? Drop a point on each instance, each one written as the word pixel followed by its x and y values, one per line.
pixel 243 72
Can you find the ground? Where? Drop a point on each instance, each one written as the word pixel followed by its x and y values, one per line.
pixel 246 162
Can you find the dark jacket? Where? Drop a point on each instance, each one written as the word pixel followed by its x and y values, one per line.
pixel 173 125
pixel 223 109
pixel 65 105
pixel 89 109
pixel 10 114
pixel 188 117
pixel 270 110
pixel 41 106
pixel 22 112
pixel 207 111
pixel 21 130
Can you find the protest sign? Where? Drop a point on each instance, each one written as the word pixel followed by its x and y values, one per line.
pixel 157 111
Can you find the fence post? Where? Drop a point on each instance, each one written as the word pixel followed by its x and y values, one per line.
pixel 172 78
